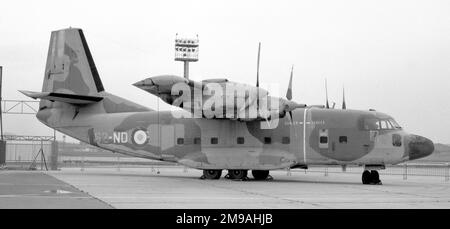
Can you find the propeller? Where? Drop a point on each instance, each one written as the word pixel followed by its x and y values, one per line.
pixel 344 106
pixel 289 90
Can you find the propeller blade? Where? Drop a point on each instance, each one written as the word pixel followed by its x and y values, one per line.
pixel 289 90
pixel 344 106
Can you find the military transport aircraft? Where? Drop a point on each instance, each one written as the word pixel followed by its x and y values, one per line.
pixel 214 130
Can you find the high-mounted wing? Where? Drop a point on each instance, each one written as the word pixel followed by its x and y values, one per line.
pixel 217 98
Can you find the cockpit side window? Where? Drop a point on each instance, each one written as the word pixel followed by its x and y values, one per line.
pixel 371 124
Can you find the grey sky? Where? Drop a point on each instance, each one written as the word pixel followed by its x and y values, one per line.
pixel 393 56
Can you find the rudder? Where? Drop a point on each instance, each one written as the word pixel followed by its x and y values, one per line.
pixel 70 68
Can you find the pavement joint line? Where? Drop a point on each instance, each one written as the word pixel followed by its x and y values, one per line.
pixel 76 188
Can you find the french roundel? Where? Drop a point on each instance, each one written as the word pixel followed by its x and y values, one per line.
pixel 140 137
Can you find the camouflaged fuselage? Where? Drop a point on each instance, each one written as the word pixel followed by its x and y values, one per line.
pixel 214 144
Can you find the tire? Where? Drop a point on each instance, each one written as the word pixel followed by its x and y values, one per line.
pixel 375 177
pixel 366 177
pixel 260 174
pixel 212 174
pixel 237 174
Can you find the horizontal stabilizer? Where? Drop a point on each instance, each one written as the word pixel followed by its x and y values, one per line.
pixel 62 97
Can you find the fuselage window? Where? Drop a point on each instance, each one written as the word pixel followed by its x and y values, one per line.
pixel 197 141
pixel 240 140
pixel 214 141
pixel 343 139
pixel 323 138
pixel 396 140
pixel 286 140
pixel 180 141
pixel 267 140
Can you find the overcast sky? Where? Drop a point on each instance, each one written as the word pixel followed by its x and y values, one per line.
pixel 392 56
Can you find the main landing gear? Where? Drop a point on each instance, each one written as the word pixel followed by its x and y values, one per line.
pixel 371 177
pixel 235 174
pixel 211 174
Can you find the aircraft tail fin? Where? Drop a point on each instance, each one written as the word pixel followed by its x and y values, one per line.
pixel 70 68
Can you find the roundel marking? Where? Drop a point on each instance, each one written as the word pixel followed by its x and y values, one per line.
pixel 140 137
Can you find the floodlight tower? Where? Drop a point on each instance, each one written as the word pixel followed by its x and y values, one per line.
pixel 186 50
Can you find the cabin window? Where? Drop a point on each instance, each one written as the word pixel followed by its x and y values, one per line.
pixel 323 138
pixel 180 141
pixel 267 140
pixel 240 140
pixel 343 139
pixel 286 140
pixel 197 141
pixel 214 141
pixel 396 140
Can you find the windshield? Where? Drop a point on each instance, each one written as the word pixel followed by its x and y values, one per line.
pixel 380 124
pixel 395 124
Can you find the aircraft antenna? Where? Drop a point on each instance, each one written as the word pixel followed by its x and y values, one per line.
pixel 257 78
pixel 257 66
pixel 344 106
pixel 326 94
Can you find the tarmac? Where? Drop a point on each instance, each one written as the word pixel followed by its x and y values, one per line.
pixel 37 190
pixel 177 187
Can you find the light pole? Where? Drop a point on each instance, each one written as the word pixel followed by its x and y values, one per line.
pixel 186 50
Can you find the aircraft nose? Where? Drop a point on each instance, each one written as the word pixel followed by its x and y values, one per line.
pixel 419 147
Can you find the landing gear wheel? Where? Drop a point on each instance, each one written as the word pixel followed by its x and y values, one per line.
pixel 260 174
pixel 237 174
pixel 211 174
pixel 366 177
pixel 371 177
pixel 375 177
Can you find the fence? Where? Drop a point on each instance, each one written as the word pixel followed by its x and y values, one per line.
pixel 404 170
pixel 21 155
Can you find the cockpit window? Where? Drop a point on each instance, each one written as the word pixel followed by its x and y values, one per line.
pixel 395 124
pixel 371 124
pixel 380 124
pixel 384 124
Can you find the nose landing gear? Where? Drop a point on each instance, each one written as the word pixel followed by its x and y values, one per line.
pixel 261 175
pixel 371 177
